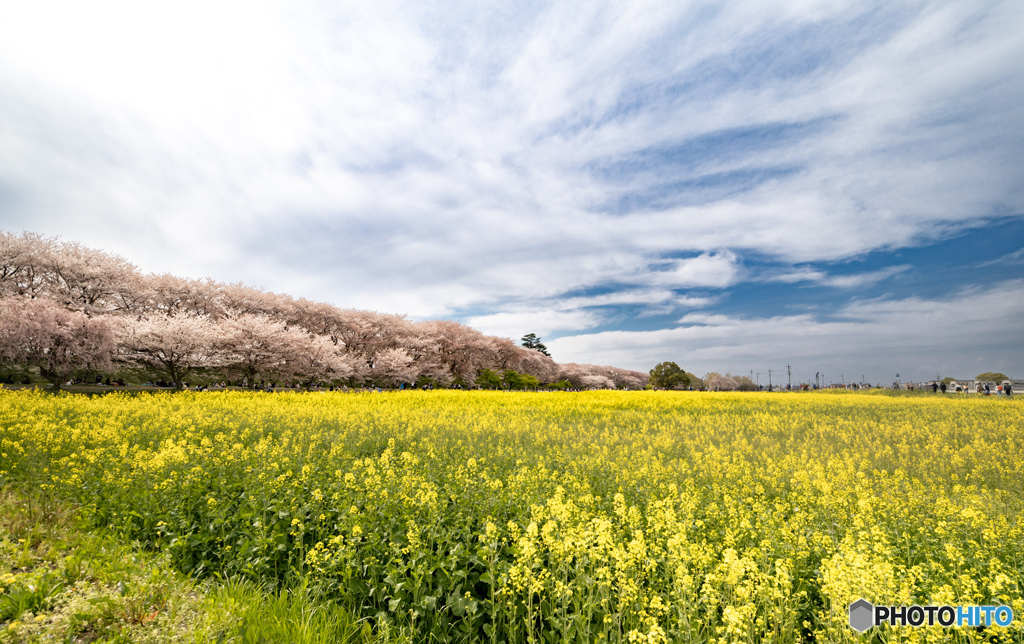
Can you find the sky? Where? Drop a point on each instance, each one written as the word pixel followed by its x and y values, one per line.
pixel 735 186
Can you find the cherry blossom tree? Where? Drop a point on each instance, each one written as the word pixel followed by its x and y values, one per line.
pixel 171 295
pixel 536 364
pixel 394 367
pixel 257 347
pixel 24 262
pixel 317 358
pixel 39 333
pixel 420 342
pixel 318 318
pixel 627 379
pixel 85 279
pixel 596 381
pixel 588 376
pixel 505 354
pixel 718 382
pixel 367 333
pixel 132 295
pixel 239 299
pixel 456 348
pixel 172 346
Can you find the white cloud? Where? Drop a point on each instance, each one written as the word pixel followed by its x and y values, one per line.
pixel 515 324
pixel 716 270
pixel 961 336
pixel 435 159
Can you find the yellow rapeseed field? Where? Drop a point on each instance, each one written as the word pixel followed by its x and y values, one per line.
pixel 568 517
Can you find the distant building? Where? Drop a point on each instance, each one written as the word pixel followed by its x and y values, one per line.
pixel 976 386
pixel 1016 385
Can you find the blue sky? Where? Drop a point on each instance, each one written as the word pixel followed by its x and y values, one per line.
pixel 735 186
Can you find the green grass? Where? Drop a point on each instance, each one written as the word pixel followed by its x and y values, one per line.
pixel 62 582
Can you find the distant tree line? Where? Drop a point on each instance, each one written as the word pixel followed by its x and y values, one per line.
pixel 70 311
pixel 669 375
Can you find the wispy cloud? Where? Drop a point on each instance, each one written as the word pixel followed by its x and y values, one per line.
pixel 843 281
pixel 858 280
pixel 1009 259
pixel 491 161
pixel 571 314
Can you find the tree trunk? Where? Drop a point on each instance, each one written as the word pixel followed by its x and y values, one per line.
pixel 56 380
pixel 173 372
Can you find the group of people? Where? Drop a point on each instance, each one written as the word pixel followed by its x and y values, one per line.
pixel 985 388
pixel 1006 389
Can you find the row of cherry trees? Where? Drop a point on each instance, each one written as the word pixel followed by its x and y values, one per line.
pixel 65 308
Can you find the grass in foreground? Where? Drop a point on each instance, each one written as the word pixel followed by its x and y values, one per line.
pixel 63 582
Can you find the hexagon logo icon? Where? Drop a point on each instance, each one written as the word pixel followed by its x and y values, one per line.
pixel 861 615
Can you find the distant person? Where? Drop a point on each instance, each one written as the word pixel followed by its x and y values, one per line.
pixel 988 391
pixel 1008 388
pixel 935 388
pixel 943 387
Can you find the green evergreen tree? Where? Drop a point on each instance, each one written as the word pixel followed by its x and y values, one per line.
pixel 531 341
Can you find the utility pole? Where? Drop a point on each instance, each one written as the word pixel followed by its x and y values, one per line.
pixel 758 379
pixel 769 380
pixel 789 378
pixel 817 381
